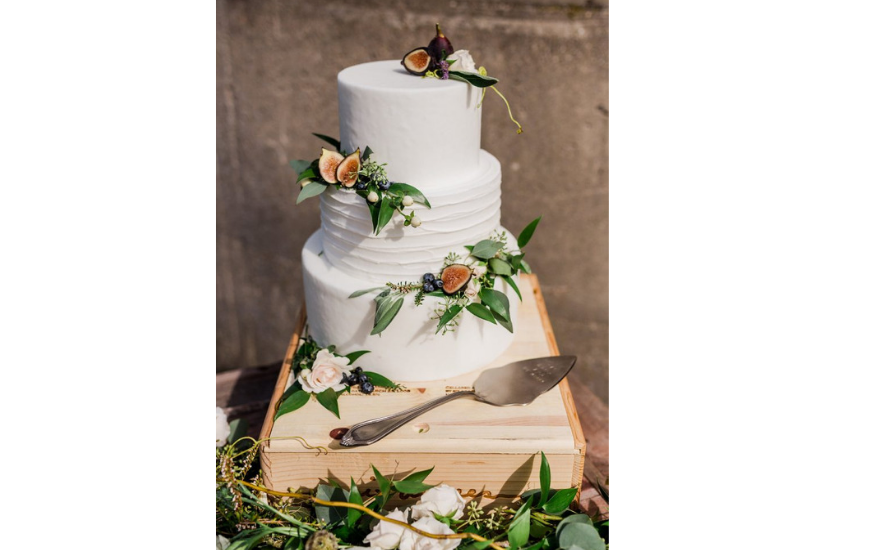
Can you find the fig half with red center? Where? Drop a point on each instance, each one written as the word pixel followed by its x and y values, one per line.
pixel 455 277
pixel 328 163
pixel 347 171
pixel 417 62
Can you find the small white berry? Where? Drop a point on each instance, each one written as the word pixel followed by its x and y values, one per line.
pixel 407 200
pixel 372 197
pixel 415 222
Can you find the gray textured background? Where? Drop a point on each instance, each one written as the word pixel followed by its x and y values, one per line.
pixel 276 83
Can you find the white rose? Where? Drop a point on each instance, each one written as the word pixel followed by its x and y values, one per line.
pixel 442 500
pixel 471 290
pixel 222 542
pixel 387 535
pixel 326 372
pixel 463 62
pixel 479 271
pixel 414 541
pixel 222 427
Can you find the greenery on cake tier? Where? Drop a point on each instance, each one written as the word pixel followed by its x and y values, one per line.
pixel 333 517
pixel 463 285
pixel 357 173
pixel 326 375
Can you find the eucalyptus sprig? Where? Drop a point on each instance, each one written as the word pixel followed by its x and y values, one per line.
pixel 489 260
pixel 382 196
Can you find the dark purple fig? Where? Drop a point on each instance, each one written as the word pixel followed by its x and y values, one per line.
pixel 347 171
pixel 417 62
pixel 328 163
pixel 455 277
pixel 440 46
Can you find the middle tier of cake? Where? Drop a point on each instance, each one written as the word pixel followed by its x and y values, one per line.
pixel 461 214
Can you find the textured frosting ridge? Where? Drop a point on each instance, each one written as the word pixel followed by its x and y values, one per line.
pixel 426 130
pixel 462 213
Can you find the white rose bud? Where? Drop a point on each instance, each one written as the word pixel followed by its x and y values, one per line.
pixel 413 541
pixel 222 542
pixel 326 372
pixel 386 535
pixel 416 221
pixel 479 271
pixel 222 427
pixel 442 500
pixel 407 200
pixel 463 62
pixel 372 197
pixel 471 291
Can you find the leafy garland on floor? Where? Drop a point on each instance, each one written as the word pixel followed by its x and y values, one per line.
pixel 357 172
pixel 462 285
pixel 250 516
pixel 310 356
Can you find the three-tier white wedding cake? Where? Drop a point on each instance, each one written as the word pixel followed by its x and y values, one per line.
pixel 427 132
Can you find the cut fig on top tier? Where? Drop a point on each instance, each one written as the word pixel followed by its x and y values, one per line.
pixel 348 169
pixel 328 163
pixel 417 62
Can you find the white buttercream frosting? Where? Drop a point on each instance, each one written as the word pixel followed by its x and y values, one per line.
pixel 461 213
pixel 409 349
pixel 427 130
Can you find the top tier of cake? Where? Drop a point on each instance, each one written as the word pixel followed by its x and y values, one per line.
pixel 426 130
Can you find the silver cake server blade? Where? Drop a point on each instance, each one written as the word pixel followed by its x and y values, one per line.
pixel 517 383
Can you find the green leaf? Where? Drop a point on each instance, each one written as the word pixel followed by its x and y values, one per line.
pixel 482 312
pixel 379 380
pixel 308 173
pixel 357 293
pixel 419 476
pixel 402 189
pixel 525 267
pixel 355 355
pixel 411 487
pixel 329 400
pixel 486 249
pixel 470 247
pixel 367 153
pixel 497 302
pixel 512 284
pixel 332 141
pixel 330 514
pixel 237 429
pixel 474 79
pixel 295 401
pixel 518 532
pixel 386 211
pixel 354 496
pixel 436 294
pixel 560 501
pixel 516 261
pixel 526 235
pixel 311 190
pixel 545 479
pixel 500 267
pixel 384 483
pixel 388 315
pixel 374 213
pixel 506 323
pixel 577 518
pixel 580 534
pixel 448 316
pixel 300 166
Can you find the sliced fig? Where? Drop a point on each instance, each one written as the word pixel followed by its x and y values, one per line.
pixel 455 277
pixel 328 163
pixel 440 46
pixel 417 62
pixel 347 171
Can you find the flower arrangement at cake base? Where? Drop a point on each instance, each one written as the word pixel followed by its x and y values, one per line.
pixel 332 517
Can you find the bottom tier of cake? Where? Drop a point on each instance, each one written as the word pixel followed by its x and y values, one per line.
pixel 408 350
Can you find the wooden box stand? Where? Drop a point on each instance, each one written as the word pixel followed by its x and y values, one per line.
pixel 479 449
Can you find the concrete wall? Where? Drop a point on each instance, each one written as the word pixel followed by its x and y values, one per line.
pixel 276 83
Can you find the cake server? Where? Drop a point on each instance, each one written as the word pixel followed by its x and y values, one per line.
pixel 517 383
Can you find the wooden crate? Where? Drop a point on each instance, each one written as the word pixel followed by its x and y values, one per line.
pixel 479 449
